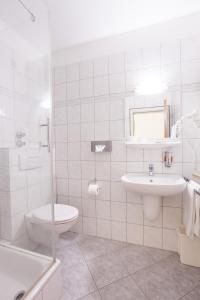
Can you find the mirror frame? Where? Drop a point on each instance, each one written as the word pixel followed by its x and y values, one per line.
pixel 165 108
pixel 150 109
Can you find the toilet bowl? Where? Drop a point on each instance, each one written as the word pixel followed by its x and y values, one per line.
pixel 39 223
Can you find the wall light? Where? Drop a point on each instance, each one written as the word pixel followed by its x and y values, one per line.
pixel 46 104
pixel 2 114
pixel 151 87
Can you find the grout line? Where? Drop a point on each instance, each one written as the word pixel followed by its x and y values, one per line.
pixel 109 161
pixel 188 293
pixel 181 113
pixel 80 179
pixel 97 291
pixel 146 296
pixel 95 158
pixel 88 269
pixel 123 277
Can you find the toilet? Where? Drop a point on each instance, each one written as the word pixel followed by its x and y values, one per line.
pixel 39 222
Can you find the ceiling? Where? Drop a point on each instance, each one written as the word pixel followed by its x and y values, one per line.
pixel 16 28
pixel 78 21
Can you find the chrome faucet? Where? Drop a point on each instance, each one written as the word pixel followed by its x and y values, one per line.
pixel 151 170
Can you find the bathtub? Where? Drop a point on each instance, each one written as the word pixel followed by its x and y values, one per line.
pixel 27 275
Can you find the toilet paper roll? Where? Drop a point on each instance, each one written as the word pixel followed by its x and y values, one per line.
pixel 93 189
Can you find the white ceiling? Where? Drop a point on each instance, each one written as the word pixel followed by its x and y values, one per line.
pixel 78 21
pixel 17 30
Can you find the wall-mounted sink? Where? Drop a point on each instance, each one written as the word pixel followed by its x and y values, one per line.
pixel 153 188
pixel 160 185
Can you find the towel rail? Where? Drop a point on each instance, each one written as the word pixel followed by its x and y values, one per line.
pixel 186 179
pixel 195 190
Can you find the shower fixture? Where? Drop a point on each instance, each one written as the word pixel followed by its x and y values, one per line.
pixel 33 17
pixel 19 139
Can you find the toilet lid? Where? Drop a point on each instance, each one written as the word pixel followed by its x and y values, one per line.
pixel 63 213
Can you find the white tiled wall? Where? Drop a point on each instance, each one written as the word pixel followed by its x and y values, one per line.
pixel 23 190
pixel 24 89
pixel 89 101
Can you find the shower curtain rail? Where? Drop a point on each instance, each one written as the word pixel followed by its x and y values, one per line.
pixel 33 17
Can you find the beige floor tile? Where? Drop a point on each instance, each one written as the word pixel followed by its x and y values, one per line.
pixel 77 281
pixel 93 296
pixel 125 289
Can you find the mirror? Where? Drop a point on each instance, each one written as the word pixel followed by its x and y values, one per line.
pixel 151 122
pixel 147 123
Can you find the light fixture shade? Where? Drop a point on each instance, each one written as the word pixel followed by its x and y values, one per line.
pixel 151 88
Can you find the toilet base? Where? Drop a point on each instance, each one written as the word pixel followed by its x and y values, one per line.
pixel 46 234
pixel 41 236
pixel 43 230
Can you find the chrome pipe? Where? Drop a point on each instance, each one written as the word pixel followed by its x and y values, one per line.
pixel 33 17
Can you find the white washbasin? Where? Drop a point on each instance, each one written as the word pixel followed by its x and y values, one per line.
pixel 158 185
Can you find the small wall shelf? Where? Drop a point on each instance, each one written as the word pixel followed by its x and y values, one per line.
pixel 154 144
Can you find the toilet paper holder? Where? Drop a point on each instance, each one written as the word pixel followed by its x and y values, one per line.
pixel 94 182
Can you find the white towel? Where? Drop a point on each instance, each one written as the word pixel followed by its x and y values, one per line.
pixel 190 208
pixel 197 212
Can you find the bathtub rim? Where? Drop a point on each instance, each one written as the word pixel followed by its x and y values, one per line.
pixel 48 272
pixel 39 284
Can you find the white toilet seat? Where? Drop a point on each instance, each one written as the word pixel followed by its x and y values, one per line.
pixel 63 214
pixel 39 222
